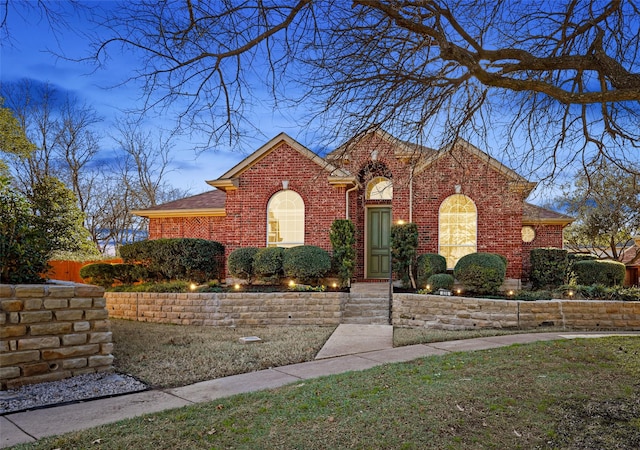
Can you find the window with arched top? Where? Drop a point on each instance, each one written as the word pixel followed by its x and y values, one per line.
pixel 457 228
pixel 285 219
pixel 379 188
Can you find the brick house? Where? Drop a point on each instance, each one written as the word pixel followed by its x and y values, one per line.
pixel 284 194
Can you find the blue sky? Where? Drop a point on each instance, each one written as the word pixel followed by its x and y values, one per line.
pixel 30 54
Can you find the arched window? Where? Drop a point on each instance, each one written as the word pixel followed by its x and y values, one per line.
pixel 379 188
pixel 458 228
pixel 285 220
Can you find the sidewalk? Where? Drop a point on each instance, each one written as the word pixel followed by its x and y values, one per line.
pixel 350 348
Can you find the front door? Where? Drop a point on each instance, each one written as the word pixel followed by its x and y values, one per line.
pixel 378 242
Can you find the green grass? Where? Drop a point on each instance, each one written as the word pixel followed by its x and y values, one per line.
pixel 411 336
pixel 557 394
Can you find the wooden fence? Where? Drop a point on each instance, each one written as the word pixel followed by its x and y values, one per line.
pixel 70 270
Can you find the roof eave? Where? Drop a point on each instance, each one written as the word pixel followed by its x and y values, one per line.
pixel 535 221
pixel 196 212
pixel 224 184
pixel 342 181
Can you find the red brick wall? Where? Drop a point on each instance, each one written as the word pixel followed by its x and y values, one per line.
pixel 246 206
pixel 499 206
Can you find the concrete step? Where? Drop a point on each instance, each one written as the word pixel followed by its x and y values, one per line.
pixel 373 289
pixel 378 320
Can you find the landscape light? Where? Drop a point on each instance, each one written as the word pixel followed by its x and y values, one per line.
pixel 236 286
pixel 193 286
pixel 292 283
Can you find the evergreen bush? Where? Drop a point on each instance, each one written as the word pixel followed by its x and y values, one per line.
pixel 240 263
pixel 440 281
pixel 186 259
pixel 549 267
pixel 429 264
pixel 100 274
pixel 404 248
pixel 604 272
pixel 306 263
pixel 481 273
pixel 343 240
pixel 267 263
pixel 24 247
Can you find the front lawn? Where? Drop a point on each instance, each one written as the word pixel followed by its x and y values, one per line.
pixel 557 394
pixel 164 355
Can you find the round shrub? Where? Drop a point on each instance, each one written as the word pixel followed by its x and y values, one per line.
pixel 430 264
pixel 240 263
pixel 306 263
pixel 267 262
pixel 100 274
pixel 607 273
pixel 482 273
pixel 440 281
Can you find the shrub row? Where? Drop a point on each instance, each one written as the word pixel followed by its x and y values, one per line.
pixel 305 263
pixel 184 259
pixel 553 267
pixel 188 259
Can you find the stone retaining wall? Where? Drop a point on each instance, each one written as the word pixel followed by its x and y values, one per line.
pixel 51 332
pixel 232 309
pixel 458 313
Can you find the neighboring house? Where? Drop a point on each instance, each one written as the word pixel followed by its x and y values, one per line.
pixel 285 195
pixel 631 259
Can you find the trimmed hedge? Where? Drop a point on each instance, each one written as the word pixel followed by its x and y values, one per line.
pixel 267 263
pixel 482 273
pixel 429 264
pixel 306 263
pixel 440 281
pixel 105 274
pixel 240 263
pixel 549 267
pixel 187 259
pixel 100 274
pixel 606 273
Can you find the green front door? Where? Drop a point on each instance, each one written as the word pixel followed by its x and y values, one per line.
pixel 378 242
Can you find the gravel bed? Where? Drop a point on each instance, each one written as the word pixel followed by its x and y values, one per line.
pixel 81 387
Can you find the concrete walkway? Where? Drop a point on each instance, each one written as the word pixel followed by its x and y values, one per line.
pixel 362 347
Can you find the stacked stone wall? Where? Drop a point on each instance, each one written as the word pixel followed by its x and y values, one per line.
pixel 462 313
pixel 233 309
pixel 51 332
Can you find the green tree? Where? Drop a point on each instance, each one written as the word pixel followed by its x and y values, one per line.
pixel 13 140
pixel 23 245
pixel 606 204
pixel 55 211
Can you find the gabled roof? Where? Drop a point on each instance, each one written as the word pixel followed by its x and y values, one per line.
pixel 537 215
pixel 629 254
pixel 210 203
pixel 402 148
pixel 475 151
pixel 229 179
